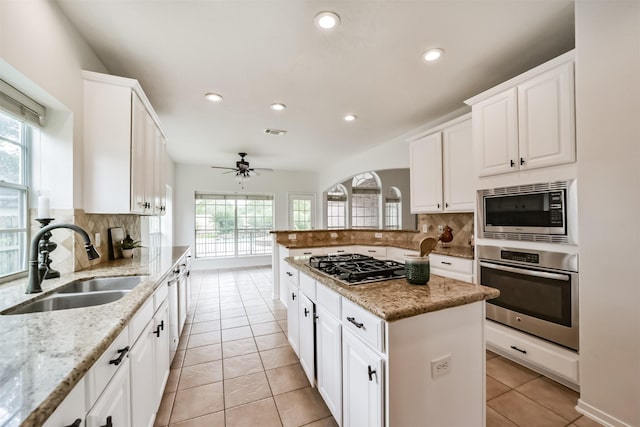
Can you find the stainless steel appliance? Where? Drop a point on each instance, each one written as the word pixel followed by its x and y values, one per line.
pixel 538 291
pixel 543 212
pixel 356 269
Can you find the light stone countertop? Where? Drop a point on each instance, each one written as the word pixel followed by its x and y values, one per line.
pixel 397 299
pixel 45 354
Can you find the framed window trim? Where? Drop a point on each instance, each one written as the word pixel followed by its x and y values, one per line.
pixel 292 197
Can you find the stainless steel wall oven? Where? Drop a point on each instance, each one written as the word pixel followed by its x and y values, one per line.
pixel 538 291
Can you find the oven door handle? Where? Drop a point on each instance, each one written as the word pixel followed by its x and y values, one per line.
pixel 544 274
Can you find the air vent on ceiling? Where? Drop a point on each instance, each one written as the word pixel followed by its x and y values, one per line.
pixel 275 131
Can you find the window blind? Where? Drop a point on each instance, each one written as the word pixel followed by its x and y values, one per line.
pixel 17 103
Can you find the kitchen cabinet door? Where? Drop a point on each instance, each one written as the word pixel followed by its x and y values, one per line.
pixel 546 111
pixel 113 406
pixel 142 373
pixel 159 184
pixel 362 382
pixel 329 361
pixel 292 317
pixel 71 409
pixel 457 158
pixel 138 131
pixel 174 329
pixel 495 134
pixel 425 159
pixel 306 331
pixel 161 351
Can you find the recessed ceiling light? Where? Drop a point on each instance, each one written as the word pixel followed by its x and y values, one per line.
pixel 278 107
pixel 350 117
pixel 213 97
pixel 432 54
pixel 327 20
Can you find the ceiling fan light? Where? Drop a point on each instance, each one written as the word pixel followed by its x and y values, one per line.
pixel 433 54
pixel 327 20
pixel 350 117
pixel 214 97
pixel 278 106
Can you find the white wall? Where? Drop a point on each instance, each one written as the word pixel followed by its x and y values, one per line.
pixel 43 57
pixel 192 178
pixel 608 135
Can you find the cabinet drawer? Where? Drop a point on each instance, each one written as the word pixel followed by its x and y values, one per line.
pixel 363 324
pixel 373 251
pixel 329 299
pixel 140 320
pixel 308 286
pixel 547 356
pixel 102 371
pixel 308 251
pixel 453 264
pixel 160 295
pixel 288 273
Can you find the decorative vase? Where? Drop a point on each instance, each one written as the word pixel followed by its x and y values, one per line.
pixel 127 253
pixel 417 269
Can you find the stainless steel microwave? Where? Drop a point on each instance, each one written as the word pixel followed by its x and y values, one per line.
pixel 538 212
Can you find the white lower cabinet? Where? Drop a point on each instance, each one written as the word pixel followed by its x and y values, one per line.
pixel 161 352
pixel 70 413
pixel 292 317
pixel 329 360
pixel 113 408
pixel 362 383
pixel 306 331
pixel 142 373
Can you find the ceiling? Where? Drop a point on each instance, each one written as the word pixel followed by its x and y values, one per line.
pixel 255 53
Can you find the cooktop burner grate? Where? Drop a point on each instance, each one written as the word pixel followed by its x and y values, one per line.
pixel 355 269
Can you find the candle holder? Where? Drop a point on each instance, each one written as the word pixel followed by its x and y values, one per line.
pixel 45 248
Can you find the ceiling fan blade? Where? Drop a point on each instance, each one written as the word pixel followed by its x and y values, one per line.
pixel 230 171
pixel 222 167
pixel 262 169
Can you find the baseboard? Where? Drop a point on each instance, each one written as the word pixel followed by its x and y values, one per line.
pixel 599 416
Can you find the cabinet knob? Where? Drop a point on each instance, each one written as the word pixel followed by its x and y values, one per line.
pixel 521 161
pixel 76 423
pixel 109 423
pixel 372 372
pixel 293 296
pixel 446 205
pixel 306 312
pixel 512 163
pixel 122 352
pixel 438 205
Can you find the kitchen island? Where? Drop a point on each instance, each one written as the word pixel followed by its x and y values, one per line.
pixel 390 353
pixel 46 354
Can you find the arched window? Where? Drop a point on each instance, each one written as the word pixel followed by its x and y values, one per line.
pixel 365 202
pixel 337 207
pixel 393 209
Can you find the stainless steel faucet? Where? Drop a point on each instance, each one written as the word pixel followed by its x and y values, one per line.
pixel 37 270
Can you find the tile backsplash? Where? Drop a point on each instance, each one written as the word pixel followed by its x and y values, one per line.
pixel 461 223
pixel 70 255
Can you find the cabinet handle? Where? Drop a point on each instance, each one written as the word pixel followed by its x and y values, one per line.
pixel 353 320
pixel 512 163
pixel 438 205
pixel 340 252
pixel 521 161
pixel 109 423
pixel 290 274
pixel 159 328
pixel 446 205
pixel 307 253
pixel 519 349
pixel 122 352
pixel 306 312
pixel 445 262
pixel 372 372
pixel 76 423
pixel 293 296
pixel 162 325
pixel 371 251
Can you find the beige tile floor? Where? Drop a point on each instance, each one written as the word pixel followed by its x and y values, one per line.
pixel 234 367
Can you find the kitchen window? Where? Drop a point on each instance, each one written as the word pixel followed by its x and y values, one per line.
pixel 365 201
pixel 393 209
pixel 15 135
pixel 233 225
pixel 301 208
pixel 337 207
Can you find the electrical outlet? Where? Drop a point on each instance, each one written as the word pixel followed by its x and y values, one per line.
pixel 96 239
pixel 378 235
pixel 334 235
pixel 441 366
pixel 441 229
pixel 424 228
pixel 292 237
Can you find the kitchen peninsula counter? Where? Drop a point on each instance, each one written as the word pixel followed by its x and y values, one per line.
pixel 397 299
pixel 46 354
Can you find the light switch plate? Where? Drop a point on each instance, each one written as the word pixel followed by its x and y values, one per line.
pixel 378 235
pixel 441 366
pixel 424 228
pixel 334 235
pixel 292 237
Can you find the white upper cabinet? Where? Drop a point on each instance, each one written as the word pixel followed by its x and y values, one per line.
pixel 123 148
pixel 527 122
pixel 441 165
pixel 426 173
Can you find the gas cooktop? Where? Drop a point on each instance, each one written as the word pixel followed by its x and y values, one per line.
pixel 355 269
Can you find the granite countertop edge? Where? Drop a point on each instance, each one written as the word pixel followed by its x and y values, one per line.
pixel 121 312
pixel 468 293
pixel 454 251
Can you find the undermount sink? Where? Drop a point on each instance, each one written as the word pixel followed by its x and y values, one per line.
pixel 82 293
pixel 121 283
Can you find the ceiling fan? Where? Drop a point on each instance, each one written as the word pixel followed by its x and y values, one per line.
pixel 242 170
